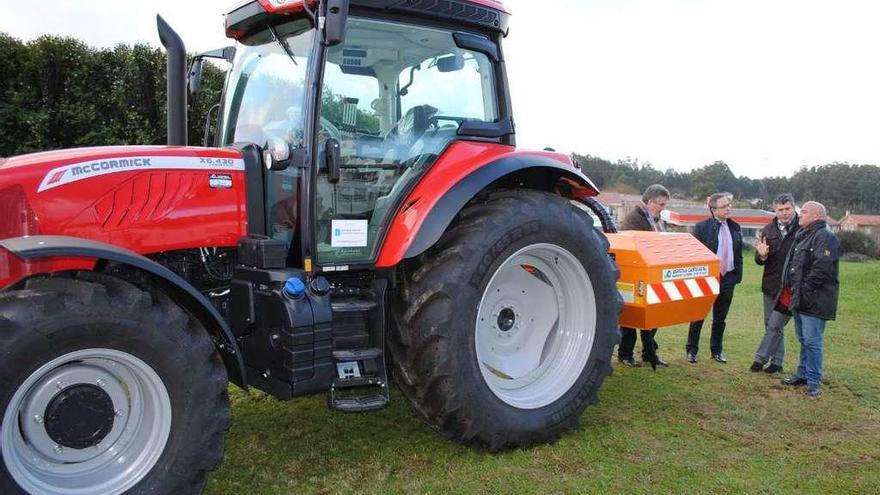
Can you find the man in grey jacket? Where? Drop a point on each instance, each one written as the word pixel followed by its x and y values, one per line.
pixel 774 243
pixel 810 288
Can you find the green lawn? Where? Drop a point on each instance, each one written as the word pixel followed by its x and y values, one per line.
pixel 705 428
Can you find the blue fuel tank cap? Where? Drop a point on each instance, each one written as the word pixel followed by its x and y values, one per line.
pixel 294 287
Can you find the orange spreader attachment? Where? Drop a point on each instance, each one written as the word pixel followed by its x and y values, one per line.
pixel 665 278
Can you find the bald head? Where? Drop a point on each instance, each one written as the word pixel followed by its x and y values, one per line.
pixel 811 211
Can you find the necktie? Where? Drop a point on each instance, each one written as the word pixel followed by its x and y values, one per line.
pixel 725 248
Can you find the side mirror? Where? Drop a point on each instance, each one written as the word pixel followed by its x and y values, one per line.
pixel 194 81
pixel 450 63
pixel 195 75
pixel 333 156
pixel 335 14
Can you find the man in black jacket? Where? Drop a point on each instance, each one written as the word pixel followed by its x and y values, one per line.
pixel 774 243
pixel 723 237
pixel 809 288
pixel 645 216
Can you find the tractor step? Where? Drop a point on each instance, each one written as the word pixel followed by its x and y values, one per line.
pixel 364 381
pixel 345 396
pixel 356 354
pixel 361 382
pixel 352 305
pixel 361 404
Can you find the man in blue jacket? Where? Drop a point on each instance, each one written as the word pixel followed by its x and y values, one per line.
pixel 723 237
pixel 810 288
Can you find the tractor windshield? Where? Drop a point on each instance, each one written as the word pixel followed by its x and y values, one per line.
pixel 265 99
pixel 393 95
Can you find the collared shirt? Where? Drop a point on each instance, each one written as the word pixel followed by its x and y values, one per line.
pixel 656 223
pixel 783 227
pixel 724 231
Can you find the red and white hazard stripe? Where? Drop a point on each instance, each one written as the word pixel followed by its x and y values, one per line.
pixel 678 290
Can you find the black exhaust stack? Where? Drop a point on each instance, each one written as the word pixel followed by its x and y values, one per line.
pixel 176 76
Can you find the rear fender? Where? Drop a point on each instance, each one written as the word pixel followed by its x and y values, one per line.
pixel 421 229
pixel 34 248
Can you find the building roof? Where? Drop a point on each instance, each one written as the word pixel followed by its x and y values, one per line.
pixel 612 198
pixel 831 221
pixel 863 220
pixel 689 215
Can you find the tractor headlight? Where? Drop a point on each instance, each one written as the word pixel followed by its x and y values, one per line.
pixel 17 218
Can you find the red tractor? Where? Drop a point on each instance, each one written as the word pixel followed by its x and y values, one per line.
pixel 364 199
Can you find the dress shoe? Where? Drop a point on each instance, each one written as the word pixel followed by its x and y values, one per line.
pixel 658 361
pixel 794 381
pixel 629 362
pixel 812 391
pixel 692 357
pixel 720 357
pixel 773 368
pixel 756 367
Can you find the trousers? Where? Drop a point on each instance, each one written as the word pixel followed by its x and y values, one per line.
pixel 810 332
pixel 628 341
pixel 719 317
pixel 772 346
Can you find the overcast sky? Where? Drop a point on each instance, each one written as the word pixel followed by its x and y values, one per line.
pixel 765 85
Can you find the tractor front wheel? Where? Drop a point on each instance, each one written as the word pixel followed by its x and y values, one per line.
pixel 504 330
pixel 106 388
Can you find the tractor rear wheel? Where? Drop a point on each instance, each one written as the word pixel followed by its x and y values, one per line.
pixel 504 330
pixel 106 388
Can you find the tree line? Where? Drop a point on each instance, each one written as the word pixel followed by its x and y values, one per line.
pixel 840 186
pixel 56 92
pixel 59 93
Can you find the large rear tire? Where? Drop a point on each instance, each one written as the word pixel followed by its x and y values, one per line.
pixel 106 388
pixel 504 330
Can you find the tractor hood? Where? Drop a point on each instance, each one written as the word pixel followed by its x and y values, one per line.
pixel 128 195
pixel 79 167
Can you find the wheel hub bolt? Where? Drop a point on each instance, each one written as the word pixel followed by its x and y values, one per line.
pixel 58 449
pixel 101 383
pixel 38 419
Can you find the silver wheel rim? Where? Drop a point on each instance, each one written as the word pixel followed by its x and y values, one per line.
pixel 535 326
pixel 130 449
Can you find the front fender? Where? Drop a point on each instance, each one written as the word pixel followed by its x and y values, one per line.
pixel 48 246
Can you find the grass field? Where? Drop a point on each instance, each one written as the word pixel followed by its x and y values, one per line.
pixel 704 428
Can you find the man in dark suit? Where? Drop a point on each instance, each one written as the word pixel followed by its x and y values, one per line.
pixel 645 216
pixel 773 245
pixel 723 237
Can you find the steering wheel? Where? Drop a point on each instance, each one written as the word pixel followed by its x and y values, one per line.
pixel 414 123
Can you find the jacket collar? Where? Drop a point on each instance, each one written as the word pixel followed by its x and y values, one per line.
pixel 813 227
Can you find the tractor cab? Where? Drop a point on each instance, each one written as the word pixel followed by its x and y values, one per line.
pixel 351 124
pixel 345 107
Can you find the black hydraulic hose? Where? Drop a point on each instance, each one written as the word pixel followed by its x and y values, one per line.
pixel 598 209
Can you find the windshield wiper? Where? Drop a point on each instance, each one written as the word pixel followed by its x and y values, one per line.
pixel 281 41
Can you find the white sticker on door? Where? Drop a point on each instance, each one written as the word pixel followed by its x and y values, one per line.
pixel 348 233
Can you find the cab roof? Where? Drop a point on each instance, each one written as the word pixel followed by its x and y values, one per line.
pixel 487 14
